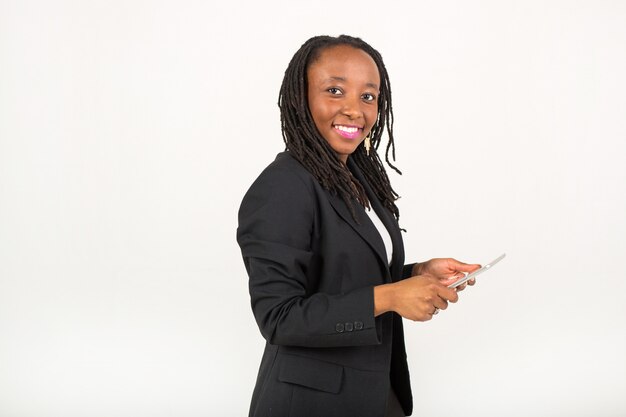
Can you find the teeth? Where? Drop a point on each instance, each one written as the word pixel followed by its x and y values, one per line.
pixel 347 129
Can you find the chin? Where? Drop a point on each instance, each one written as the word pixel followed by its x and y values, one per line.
pixel 346 152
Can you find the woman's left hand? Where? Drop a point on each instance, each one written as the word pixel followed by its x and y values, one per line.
pixel 446 270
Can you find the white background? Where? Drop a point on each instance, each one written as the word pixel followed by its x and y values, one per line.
pixel 130 130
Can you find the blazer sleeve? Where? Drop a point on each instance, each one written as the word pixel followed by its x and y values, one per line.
pixel 276 221
pixel 407 271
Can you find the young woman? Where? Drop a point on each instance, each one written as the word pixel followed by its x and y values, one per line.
pixel 320 241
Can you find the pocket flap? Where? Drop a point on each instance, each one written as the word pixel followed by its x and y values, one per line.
pixel 312 373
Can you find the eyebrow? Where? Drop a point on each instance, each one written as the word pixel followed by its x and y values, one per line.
pixel 372 85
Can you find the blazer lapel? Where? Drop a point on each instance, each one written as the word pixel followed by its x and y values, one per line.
pixel 365 228
pixel 397 257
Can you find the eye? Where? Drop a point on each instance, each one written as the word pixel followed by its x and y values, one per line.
pixel 368 97
pixel 334 91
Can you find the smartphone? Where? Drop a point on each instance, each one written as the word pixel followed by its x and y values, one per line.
pixel 477 272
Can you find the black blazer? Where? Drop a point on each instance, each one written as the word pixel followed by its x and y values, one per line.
pixel 312 270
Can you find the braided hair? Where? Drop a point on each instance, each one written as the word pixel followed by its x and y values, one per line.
pixel 308 146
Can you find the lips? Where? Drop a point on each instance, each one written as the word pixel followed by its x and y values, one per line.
pixel 348 131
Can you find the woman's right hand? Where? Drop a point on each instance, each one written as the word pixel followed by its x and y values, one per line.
pixel 414 298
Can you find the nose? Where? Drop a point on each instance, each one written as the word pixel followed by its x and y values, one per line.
pixel 351 108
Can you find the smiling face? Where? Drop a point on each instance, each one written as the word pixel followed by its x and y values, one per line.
pixel 343 87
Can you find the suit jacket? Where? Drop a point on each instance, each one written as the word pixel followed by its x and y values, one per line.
pixel 312 269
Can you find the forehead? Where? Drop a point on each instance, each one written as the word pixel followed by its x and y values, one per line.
pixel 344 61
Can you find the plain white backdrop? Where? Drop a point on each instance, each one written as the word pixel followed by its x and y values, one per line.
pixel 130 130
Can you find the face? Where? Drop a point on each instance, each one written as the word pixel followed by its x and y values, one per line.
pixel 343 87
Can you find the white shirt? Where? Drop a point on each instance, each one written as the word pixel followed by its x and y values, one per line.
pixel 382 231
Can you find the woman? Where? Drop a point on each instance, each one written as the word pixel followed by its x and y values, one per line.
pixel 320 241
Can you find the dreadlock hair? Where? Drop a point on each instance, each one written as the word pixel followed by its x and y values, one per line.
pixel 308 146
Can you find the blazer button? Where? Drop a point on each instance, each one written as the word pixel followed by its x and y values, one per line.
pixel 358 325
pixel 339 327
pixel 349 327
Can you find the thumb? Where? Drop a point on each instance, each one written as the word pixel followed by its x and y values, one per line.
pixel 463 267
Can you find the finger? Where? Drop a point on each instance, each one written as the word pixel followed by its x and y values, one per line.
pixel 440 303
pixel 448 281
pixel 448 294
pixel 433 311
pixel 451 280
pixel 424 315
pixel 472 281
pixel 463 267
